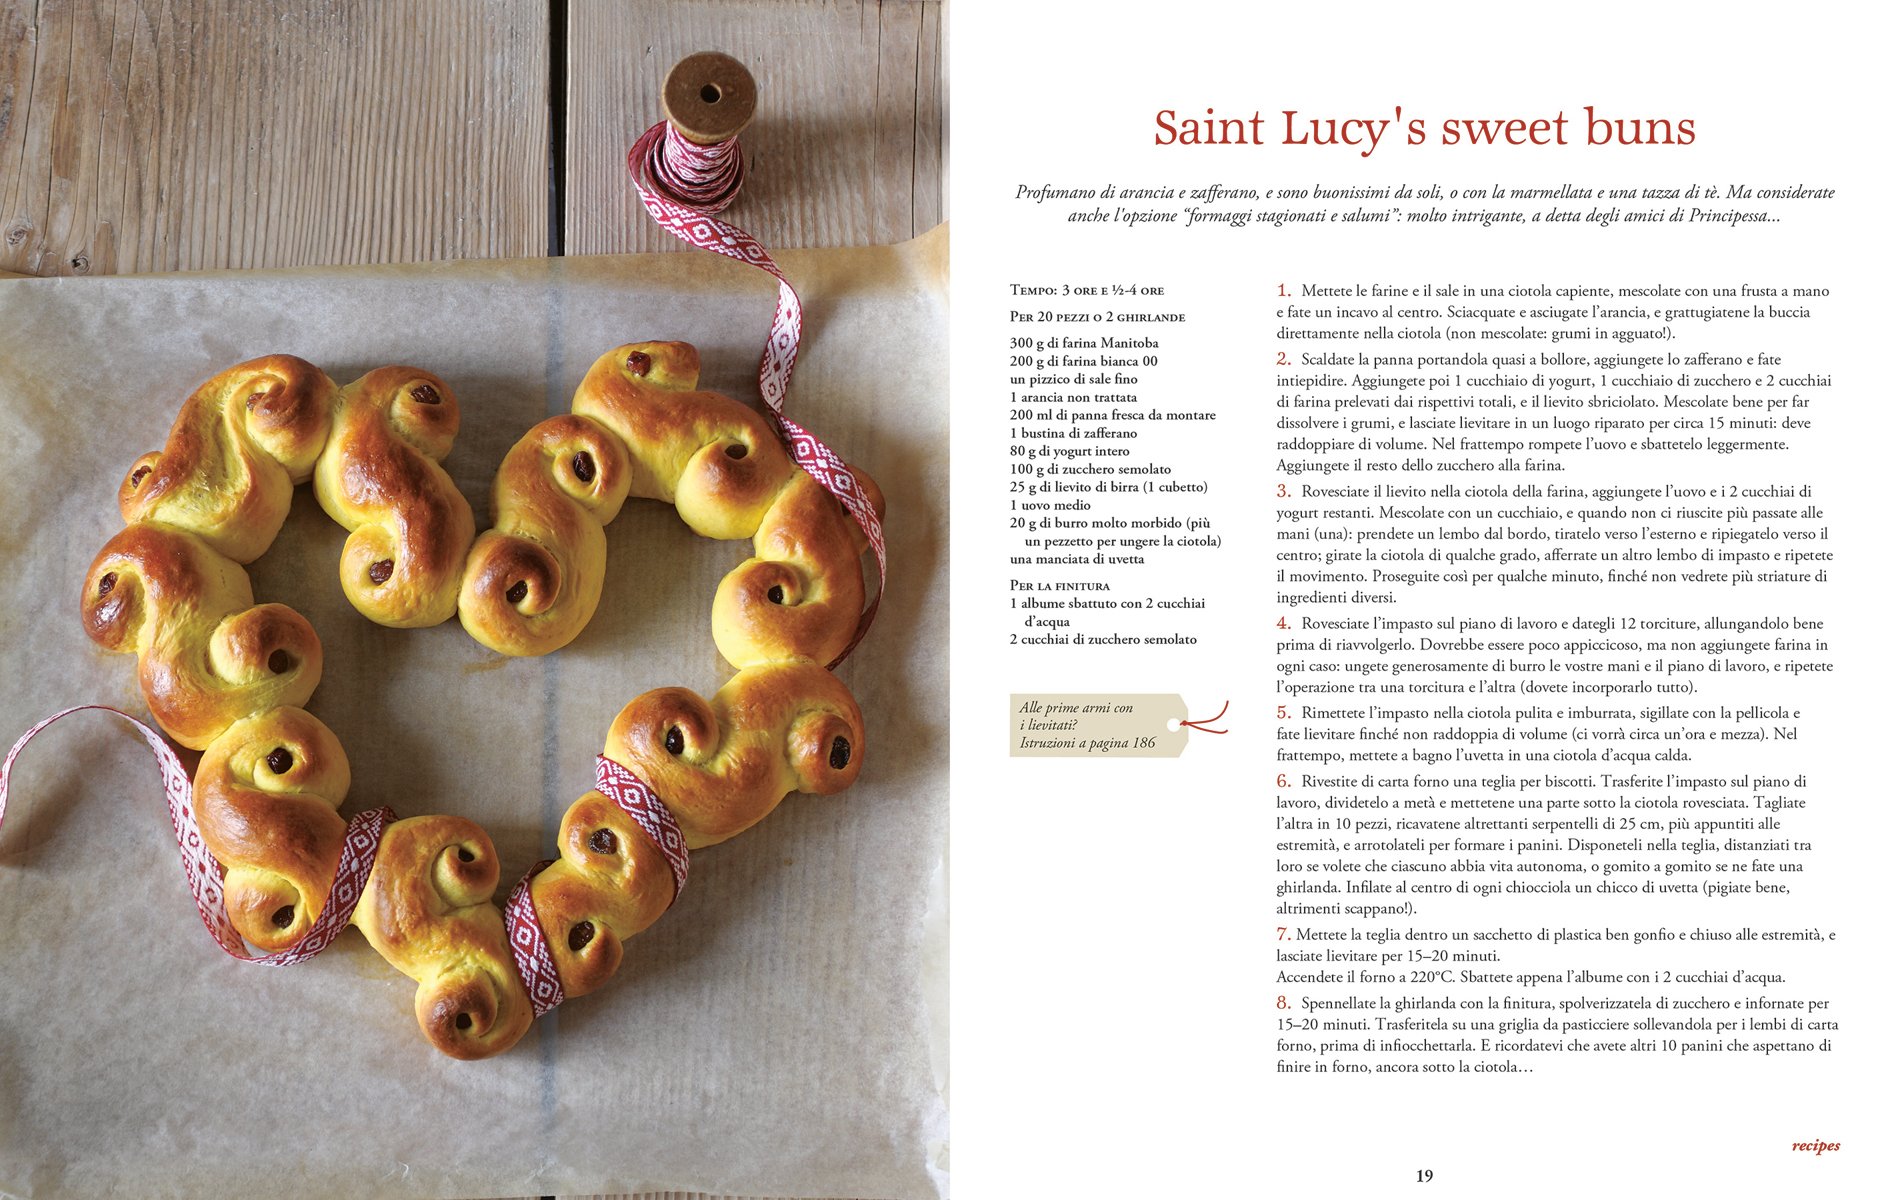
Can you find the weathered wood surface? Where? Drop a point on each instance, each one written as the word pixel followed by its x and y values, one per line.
pixel 162 135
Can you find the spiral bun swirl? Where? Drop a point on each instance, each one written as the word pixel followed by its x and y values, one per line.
pixel 426 910
pixel 379 477
pixel 266 795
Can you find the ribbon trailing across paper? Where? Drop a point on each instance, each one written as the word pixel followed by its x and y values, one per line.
pixel 205 877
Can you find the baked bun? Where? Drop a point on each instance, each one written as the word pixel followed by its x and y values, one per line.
pixel 426 909
pixel 380 478
pixel 242 441
pixel 208 656
pixel 722 766
pixel 266 796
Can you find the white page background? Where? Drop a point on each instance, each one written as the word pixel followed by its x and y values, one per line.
pixel 1112 982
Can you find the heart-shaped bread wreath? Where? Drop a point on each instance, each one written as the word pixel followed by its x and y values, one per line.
pixel 229 677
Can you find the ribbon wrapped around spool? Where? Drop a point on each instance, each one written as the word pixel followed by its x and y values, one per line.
pixel 689 167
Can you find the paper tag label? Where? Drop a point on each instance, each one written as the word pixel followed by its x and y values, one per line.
pixel 1061 725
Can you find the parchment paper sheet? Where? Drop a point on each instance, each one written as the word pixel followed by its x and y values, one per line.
pixel 778 1033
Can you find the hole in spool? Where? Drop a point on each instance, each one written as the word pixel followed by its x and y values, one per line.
pixel 711 93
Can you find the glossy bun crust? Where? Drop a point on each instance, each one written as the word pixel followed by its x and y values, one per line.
pixel 266 797
pixel 720 767
pixel 379 477
pixel 207 654
pixel 242 441
pixel 427 910
pixel 723 765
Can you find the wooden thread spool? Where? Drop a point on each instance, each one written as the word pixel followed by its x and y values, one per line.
pixel 709 97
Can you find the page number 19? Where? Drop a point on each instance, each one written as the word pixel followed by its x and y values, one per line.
pixel 1424 1176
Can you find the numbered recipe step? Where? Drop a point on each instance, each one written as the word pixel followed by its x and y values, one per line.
pixel 1111 518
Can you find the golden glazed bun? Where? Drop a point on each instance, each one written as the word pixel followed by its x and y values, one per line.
pixel 208 656
pixel 427 911
pixel 266 795
pixel 719 767
pixel 242 441
pixel 379 477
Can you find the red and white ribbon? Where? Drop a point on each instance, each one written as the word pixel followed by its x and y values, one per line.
pixel 682 184
pixel 203 874
pixel 643 804
pixel 530 946
pixel 525 939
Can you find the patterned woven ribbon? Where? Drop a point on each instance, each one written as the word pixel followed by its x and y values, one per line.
pixel 205 877
pixel 682 185
pixel 525 939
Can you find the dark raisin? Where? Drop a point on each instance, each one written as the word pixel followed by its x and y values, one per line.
pixel 638 363
pixel 465 854
pixel 279 760
pixel 518 592
pixel 422 393
pixel 139 475
pixel 736 450
pixel 464 1021
pixel 776 595
pixel 107 580
pixel 675 740
pixel 279 662
pixel 580 935
pixel 604 841
pixel 284 916
pixel 840 754
pixel 584 467
pixel 381 570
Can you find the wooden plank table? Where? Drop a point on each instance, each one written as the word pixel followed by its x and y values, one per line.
pixel 183 135
pixel 173 135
